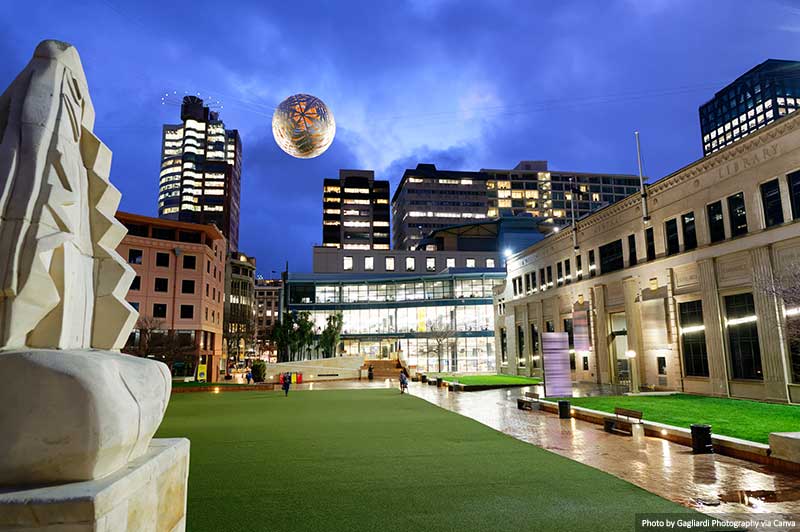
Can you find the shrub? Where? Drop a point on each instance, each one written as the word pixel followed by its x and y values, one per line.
pixel 259 371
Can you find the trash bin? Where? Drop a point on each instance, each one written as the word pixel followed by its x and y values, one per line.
pixel 701 439
pixel 563 410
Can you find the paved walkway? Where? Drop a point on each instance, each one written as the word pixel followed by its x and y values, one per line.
pixel 712 484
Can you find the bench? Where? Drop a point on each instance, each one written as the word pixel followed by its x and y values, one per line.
pixel 529 402
pixel 623 420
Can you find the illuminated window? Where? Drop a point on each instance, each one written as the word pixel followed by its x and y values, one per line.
pixel 430 264
pixel 470 263
pixel 369 264
pixel 347 263
pixel 490 263
pixel 411 264
pixel 450 262
pixel 389 263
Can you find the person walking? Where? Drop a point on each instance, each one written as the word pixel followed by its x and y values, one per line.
pixel 249 376
pixel 370 372
pixel 403 381
pixel 287 382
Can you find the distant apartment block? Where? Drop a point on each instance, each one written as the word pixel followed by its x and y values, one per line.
pixel 268 310
pixel 531 188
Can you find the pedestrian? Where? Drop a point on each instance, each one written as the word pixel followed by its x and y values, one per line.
pixel 403 382
pixel 249 376
pixel 287 382
pixel 370 372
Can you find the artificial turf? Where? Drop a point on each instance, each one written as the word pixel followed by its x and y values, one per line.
pixel 355 460
pixel 489 380
pixel 739 418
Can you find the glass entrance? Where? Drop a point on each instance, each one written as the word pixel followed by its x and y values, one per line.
pixel 619 345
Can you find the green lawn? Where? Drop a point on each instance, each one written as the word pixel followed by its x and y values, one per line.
pixel 351 460
pixel 749 420
pixel 499 380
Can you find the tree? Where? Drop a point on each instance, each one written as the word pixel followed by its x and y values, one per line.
pixel 442 332
pixel 304 333
pixel 330 337
pixel 293 335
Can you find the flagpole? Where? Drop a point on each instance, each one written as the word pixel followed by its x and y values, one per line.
pixel 642 189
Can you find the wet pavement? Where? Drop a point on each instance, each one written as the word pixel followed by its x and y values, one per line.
pixel 712 484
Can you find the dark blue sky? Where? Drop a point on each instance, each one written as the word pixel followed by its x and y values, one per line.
pixel 464 85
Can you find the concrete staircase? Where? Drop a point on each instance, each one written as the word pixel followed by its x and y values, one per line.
pixel 383 369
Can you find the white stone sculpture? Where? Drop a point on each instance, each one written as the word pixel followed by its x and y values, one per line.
pixel 71 408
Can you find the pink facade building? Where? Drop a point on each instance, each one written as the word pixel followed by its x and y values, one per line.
pixel 178 291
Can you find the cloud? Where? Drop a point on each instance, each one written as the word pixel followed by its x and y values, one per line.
pixel 463 85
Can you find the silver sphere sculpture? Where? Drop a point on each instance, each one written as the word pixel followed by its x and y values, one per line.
pixel 303 126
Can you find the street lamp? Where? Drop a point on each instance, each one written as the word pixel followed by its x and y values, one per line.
pixel 508 252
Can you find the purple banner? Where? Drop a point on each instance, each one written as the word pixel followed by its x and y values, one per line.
pixel 557 377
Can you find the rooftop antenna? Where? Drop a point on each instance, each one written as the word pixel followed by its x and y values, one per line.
pixel 642 189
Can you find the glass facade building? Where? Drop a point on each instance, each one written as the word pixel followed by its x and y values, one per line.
pixel 438 322
pixel 762 95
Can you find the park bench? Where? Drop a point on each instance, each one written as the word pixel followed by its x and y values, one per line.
pixel 529 402
pixel 623 420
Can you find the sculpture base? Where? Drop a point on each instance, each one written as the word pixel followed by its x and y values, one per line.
pixel 148 495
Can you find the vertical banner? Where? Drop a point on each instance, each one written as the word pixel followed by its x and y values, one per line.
pixel 555 351
pixel 580 329
pixel 201 373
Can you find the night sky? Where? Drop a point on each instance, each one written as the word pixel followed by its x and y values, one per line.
pixel 463 85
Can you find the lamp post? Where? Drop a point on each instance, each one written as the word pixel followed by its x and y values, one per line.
pixel 633 369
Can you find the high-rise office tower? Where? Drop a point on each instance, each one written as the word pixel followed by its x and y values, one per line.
pixel 201 165
pixel 758 97
pixel 428 199
pixel 355 211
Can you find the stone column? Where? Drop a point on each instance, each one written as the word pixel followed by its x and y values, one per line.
pixel 715 332
pixel 786 205
pixel 600 325
pixel 674 363
pixel 511 341
pixel 633 323
pixel 526 335
pixel 770 337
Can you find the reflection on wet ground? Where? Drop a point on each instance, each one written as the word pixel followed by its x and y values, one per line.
pixel 710 483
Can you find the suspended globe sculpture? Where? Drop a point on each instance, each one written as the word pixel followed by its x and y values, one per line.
pixel 303 126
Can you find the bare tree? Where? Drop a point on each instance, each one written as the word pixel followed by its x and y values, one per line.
pixel 442 332
pixel 785 287
pixel 148 328
pixel 160 344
